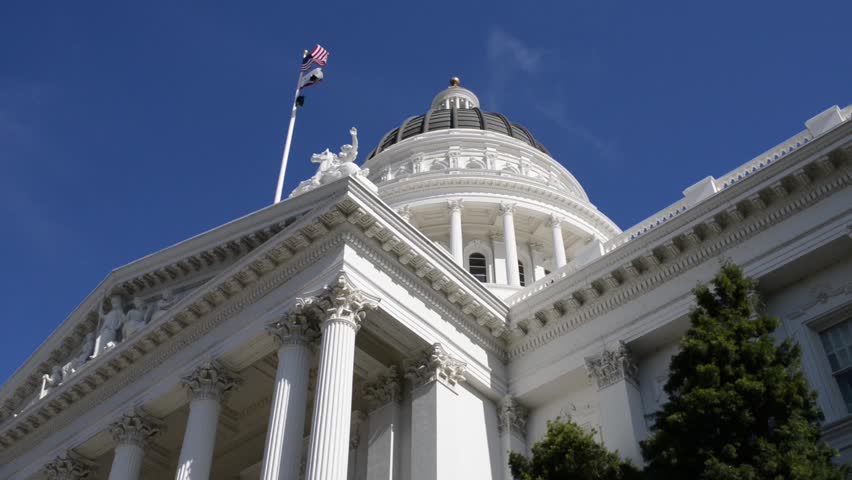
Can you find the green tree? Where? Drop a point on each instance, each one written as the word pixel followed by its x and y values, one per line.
pixel 568 453
pixel 739 407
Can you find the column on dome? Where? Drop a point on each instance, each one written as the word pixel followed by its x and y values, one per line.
pixel 132 432
pixel 555 224
pixel 512 424
pixel 208 385
pixel 343 308
pixel 622 420
pixel 383 396
pixel 434 378
pixel 294 333
pixel 530 272
pixel 456 241
pixel 506 210
pixel 68 466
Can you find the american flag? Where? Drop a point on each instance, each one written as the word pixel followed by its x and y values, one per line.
pixel 318 56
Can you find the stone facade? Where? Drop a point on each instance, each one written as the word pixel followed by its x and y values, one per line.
pixel 420 317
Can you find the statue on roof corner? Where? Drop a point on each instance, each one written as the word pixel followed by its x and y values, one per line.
pixel 334 166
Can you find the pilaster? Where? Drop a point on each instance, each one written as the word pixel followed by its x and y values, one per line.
pixel 68 466
pixel 383 456
pixel 622 421
pixel 512 424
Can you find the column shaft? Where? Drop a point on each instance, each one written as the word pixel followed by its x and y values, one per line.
pixel 456 240
pixel 329 449
pixel 196 452
pixel 511 245
pixel 558 242
pixel 383 449
pixel 284 436
pixel 127 462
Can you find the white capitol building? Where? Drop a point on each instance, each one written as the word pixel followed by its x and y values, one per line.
pixel 419 317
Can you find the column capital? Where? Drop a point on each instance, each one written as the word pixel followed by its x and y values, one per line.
pixel 511 416
pixel 435 364
pixel 455 205
pixel 68 466
pixel 505 208
pixel 210 381
pixel 613 364
pixel 341 301
pixel 295 327
pixel 384 389
pixel 554 221
pixel 135 428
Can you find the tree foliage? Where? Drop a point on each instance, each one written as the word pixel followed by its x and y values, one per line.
pixel 739 407
pixel 568 453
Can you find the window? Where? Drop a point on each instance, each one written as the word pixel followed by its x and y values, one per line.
pixel 837 342
pixel 521 273
pixel 477 267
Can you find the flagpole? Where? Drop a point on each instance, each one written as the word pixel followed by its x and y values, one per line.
pixel 289 138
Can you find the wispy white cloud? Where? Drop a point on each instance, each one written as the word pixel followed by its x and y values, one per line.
pixel 514 62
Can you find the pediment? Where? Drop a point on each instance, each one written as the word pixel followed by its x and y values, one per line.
pixel 345 207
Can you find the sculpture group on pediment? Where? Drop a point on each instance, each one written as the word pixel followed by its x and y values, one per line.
pixel 333 166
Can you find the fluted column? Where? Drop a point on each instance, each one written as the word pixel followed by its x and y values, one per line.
pixel 434 378
pixel 208 384
pixel 294 333
pixel 555 224
pixel 512 423
pixel 382 395
pixel 622 416
pixel 343 307
pixel 456 245
pixel 132 432
pixel 506 210
pixel 68 466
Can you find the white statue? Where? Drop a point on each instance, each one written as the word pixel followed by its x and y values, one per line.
pixel 134 320
pixel 50 381
pixel 87 348
pixel 333 167
pixel 111 327
pixel 161 306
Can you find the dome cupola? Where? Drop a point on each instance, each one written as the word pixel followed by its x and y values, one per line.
pixel 487 191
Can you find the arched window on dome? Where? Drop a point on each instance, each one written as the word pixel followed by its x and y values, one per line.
pixel 478 266
pixel 521 273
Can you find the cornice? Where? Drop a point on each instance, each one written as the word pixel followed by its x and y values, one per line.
pixel 208 251
pixel 721 222
pixel 290 251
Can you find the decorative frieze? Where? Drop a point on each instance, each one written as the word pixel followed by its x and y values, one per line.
pixel 435 364
pixel 612 365
pixel 135 428
pixel 384 389
pixel 511 417
pixel 68 466
pixel 210 381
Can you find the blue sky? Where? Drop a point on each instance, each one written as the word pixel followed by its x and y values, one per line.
pixel 125 128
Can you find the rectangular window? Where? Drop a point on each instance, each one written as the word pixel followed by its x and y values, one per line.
pixel 837 342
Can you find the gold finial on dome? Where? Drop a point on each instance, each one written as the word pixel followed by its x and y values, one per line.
pixel 455 82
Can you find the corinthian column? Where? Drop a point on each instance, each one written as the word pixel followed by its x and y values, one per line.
pixel 456 246
pixel 622 416
pixel 68 466
pixel 294 334
pixel 208 384
pixel 506 210
pixel 555 224
pixel 343 307
pixel 133 431
pixel 512 423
